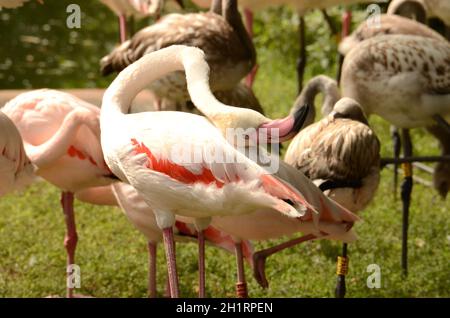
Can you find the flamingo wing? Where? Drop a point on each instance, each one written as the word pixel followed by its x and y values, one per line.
pixel 186 153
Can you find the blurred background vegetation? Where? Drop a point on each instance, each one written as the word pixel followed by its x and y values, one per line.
pixel 39 50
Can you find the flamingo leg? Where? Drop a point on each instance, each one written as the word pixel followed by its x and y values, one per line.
pixel 346 28
pixel 301 62
pixel 397 144
pixel 71 238
pixel 152 269
pixel 122 28
pixel 259 258
pixel 342 271
pixel 171 262
pixel 201 264
pixel 250 79
pixel 406 191
pixel 241 285
pixel 167 293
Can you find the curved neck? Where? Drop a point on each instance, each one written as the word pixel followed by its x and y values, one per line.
pixel 230 13
pixel 319 84
pixel 137 76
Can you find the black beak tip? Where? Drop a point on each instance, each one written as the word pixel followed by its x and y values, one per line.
pixel 300 116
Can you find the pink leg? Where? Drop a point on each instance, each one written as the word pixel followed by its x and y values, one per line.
pixel 167 293
pixel 171 261
pixel 346 23
pixel 201 264
pixel 123 28
pixel 259 258
pixel 152 269
pixel 346 28
pixel 241 285
pixel 249 26
pixel 71 238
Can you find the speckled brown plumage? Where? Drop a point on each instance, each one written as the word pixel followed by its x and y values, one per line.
pixel 227 47
pixel 340 148
pixel 402 78
pixel 388 25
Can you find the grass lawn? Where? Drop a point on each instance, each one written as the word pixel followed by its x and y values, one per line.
pixel 112 254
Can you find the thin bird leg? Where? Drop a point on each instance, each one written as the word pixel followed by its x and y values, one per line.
pixel 259 258
pixel 122 28
pixel 152 269
pixel 406 190
pixel 241 284
pixel 201 264
pixel 250 79
pixel 71 238
pixel 171 262
pixel 397 144
pixel 341 270
pixel 167 292
pixel 301 62
pixel 345 31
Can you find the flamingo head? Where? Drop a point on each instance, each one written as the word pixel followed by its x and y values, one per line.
pixel 349 108
pixel 412 9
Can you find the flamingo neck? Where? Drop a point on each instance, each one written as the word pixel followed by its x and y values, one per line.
pixel 139 75
pixel 230 13
pixel 319 84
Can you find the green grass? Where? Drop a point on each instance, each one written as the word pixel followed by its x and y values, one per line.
pixel 113 259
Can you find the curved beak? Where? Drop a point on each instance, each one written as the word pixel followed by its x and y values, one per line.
pixel 281 130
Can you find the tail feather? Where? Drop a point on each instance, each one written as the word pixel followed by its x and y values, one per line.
pixel 285 192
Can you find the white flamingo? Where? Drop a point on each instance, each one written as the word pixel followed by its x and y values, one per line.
pixel 139 150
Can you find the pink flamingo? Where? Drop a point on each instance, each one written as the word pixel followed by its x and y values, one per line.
pixel 143 218
pixel 61 137
pixel 16 169
pixel 141 150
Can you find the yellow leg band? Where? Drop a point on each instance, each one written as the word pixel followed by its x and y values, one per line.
pixel 342 266
pixel 407 169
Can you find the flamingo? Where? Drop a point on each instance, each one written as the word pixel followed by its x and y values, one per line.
pixel 61 138
pixel 389 24
pixel 341 155
pixel 133 8
pixel 143 218
pixel 412 71
pixel 317 151
pixel 16 169
pixel 223 38
pixel 141 150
